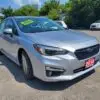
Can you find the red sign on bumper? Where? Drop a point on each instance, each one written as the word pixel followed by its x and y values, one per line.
pixel 89 63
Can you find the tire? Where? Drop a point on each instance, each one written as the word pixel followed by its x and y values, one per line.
pixel 26 66
pixel 91 29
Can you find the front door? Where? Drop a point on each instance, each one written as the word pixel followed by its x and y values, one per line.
pixel 11 41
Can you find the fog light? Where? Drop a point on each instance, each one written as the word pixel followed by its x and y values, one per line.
pixel 54 71
pixel 49 73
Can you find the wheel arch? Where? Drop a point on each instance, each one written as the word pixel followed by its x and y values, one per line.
pixel 20 51
pixel 19 54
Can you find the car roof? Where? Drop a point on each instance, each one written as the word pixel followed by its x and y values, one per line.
pixel 17 17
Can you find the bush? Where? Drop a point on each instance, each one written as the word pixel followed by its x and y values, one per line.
pixel 53 14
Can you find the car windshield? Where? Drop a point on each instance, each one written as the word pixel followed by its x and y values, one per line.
pixel 34 25
pixel 98 21
pixel 60 23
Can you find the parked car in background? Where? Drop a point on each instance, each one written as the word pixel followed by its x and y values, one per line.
pixel 95 25
pixel 46 50
pixel 63 24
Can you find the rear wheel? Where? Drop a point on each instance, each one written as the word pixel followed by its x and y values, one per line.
pixel 26 66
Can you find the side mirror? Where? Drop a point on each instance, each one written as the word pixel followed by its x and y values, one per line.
pixel 8 31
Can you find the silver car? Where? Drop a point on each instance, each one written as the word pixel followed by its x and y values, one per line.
pixel 46 50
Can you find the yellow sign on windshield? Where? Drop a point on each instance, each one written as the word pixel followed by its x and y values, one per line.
pixel 27 22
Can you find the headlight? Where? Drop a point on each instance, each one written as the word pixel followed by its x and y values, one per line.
pixel 49 51
pixel 98 25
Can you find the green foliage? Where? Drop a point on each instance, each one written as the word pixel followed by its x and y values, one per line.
pixel 27 10
pixel 48 6
pixel 81 13
pixel 78 13
pixel 7 11
pixel 53 9
pixel 53 14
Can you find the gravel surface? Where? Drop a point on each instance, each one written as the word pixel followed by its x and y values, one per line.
pixel 14 87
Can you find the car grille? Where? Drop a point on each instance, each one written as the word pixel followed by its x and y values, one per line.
pixel 87 52
pixel 93 26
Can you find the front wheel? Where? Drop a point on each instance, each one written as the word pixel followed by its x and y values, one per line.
pixel 26 66
pixel 91 29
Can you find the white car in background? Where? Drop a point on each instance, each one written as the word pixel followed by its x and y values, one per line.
pixel 63 24
pixel 95 25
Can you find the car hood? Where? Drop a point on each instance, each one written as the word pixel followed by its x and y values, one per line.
pixel 70 40
pixel 95 24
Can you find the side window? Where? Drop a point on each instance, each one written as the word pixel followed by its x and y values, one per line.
pixel 2 27
pixel 10 24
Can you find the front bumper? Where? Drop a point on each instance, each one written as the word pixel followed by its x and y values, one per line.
pixel 70 77
pixel 96 27
pixel 68 63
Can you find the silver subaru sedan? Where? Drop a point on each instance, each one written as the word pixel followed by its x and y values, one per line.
pixel 47 51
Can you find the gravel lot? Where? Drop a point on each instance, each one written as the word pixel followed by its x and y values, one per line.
pixel 14 87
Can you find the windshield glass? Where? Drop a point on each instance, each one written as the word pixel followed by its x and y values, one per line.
pixel 60 23
pixel 33 25
pixel 98 21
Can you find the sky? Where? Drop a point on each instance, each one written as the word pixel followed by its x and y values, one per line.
pixel 18 3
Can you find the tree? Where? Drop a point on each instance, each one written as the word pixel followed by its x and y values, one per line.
pixel 27 10
pixel 48 6
pixel 81 13
pixel 53 14
pixel 7 11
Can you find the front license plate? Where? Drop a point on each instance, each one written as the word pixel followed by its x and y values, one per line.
pixel 90 62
